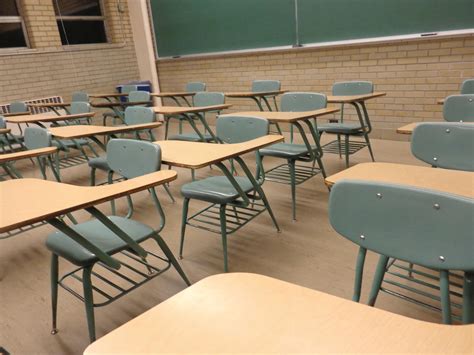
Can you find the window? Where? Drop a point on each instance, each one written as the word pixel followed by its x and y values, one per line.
pixel 12 29
pixel 80 21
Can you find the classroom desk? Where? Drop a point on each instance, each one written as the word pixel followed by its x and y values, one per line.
pixel 189 113
pixel 54 106
pixel 286 117
pixel 249 313
pixel 174 96
pixel 45 200
pixel 409 128
pixel 354 98
pixel 41 118
pixel 256 96
pixel 450 181
pixel 5 130
pixel 90 131
pixel 12 114
pixel 8 158
pixel 109 97
pixel 196 155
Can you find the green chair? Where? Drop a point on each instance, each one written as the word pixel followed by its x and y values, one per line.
pixel 420 226
pixel 310 151
pixel 444 145
pixel 200 99
pixel 117 113
pixel 195 86
pixel 9 139
pixel 76 108
pixel 341 128
pixel 459 108
pixel 467 87
pixel 267 85
pixel 80 96
pixel 234 200
pixel 19 107
pixel 35 138
pixel 133 115
pixel 112 235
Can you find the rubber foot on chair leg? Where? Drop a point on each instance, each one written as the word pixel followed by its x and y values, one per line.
pixel 54 331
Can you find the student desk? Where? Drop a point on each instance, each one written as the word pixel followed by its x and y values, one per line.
pixel 409 128
pixel 89 131
pixel 249 313
pixel 450 181
pixel 25 202
pixel 12 114
pixel 256 96
pixel 5 130
pixel 189 113
pixel 109 97
pixel 175 95
pixel 6 159
pixel 41 118
pixel 54 106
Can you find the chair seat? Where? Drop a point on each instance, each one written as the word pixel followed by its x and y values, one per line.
pixel 69 143
pixel 190 137
pixel 109 114
pixel 340 128
pixel 99 163
pixel 94 231
pixel 216 189
pixel 285 150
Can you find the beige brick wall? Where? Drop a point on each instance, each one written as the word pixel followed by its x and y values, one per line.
pixel 47 68
pixel 414 74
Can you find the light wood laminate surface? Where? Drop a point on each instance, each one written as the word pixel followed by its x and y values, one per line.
pixel 172 94
pixel 450 181
pixel 5 130
pixel 195 155
pixel 47 117
pixel 12 114
pixel 25 154
pixel 26 201
pixel 409 128
pixel 278 116
pixel 354 98
pixel 118 104
pixel 50 104
pixel 176 110
pixel 248 313
pixel 242 94
pixel 105 96
pixel 78 131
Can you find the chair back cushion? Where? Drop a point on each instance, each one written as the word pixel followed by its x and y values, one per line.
pixel 36 137
pixel 425 227
pixel 238 129
pixel 266 85
pixel 138 96
pixel 302 101
pixel 131 158
pixel 138 115
pixel 448 145
pixel 80 96
pixel 208 99
pixel 459 108
pixel 467 87
pixel 18 107
pixel 78 107
pixel 348 88
pixel 195 86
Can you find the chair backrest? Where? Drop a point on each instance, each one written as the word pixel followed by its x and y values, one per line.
pixel 80 96
pixel 3 123
pixel 208 99
pixel 346 88
pixel 445 145
pixel 302 101
pixel 266 85
pixel 138 96
pixel 459 108
pixel 428 228
pixel 131 158
pixel 467 87
pixel 126 89
pixel 18 107
pixel 195 86
pixel 36 137
pixel 78 107
pixel 138 115
pixel 238 129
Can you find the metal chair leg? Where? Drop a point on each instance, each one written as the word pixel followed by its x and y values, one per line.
pixel 346 149
pixel 359 274
pixel 169 193
pixel 89 301
pixel 223 222
pixel 291 165
pixel 378 278
pixel 339 145
pixel 110 180
pixel 168 253
pixel 366 136
pixel 468 298
pixel 92 176
pixel 445 297
pixel 184 220
pixel 54 292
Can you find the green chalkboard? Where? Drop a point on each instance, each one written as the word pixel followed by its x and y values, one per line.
pixel 336 20
pixel 203 26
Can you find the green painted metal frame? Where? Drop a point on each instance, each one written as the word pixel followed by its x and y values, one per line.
pixel 336 146
pixel 111 263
